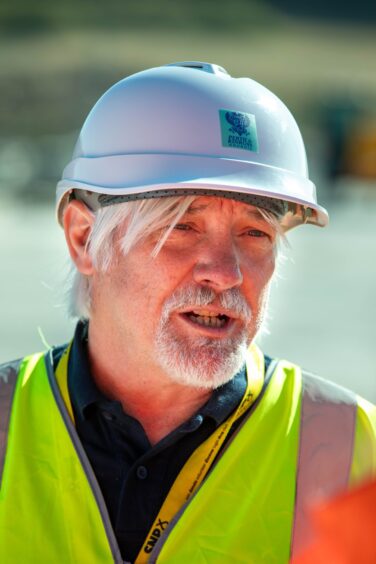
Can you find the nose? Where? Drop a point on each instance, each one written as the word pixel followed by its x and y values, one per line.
pixel 219 268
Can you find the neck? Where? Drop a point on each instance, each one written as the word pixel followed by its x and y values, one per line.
pixel 144 390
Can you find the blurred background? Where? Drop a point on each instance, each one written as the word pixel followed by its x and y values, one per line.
pixel 56 59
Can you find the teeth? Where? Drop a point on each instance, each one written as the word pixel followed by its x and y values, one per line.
pixel 208 320
pixel 205 313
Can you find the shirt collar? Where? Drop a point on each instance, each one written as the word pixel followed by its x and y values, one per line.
pixel 82 387
pixel 225 399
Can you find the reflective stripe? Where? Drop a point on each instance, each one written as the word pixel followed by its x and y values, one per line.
pixel 328 419
pixel 8 379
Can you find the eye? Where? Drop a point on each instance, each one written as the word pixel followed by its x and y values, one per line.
pixel 257 233
pixel 182 227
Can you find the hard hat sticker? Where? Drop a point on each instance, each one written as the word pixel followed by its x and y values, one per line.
pixel 238 130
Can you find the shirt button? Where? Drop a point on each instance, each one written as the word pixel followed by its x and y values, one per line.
pixel 194 423
pixel 108 416
pixel 141 472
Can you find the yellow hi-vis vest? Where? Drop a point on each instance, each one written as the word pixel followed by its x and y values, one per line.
pixel 305 438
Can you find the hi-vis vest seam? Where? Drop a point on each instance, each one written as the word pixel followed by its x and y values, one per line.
pixel 84 460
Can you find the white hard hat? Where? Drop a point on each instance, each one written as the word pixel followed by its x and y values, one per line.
pixel 190 128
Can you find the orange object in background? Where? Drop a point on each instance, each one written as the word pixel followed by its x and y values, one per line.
pixel 345 529
pixel 359 154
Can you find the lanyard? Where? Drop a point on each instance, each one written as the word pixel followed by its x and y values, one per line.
pixel 198 464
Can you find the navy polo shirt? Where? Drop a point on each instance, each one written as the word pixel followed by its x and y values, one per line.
pixel 134 476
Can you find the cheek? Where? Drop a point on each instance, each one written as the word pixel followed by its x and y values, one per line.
pixel 260 270
pixel 141 289
pixel 257 278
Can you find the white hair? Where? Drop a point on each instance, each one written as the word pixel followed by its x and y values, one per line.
pixel 141 218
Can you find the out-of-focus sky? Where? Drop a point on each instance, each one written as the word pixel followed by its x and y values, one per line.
pixel 56 59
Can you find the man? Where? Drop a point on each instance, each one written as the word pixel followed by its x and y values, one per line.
pixel 161 432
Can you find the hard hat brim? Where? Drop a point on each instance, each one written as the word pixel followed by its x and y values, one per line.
pixel 143 173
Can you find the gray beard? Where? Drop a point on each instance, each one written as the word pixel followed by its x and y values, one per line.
pixel 201 362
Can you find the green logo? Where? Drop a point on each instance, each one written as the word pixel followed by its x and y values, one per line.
pixel 238 130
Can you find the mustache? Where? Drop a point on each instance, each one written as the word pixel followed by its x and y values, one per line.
pixel 200 296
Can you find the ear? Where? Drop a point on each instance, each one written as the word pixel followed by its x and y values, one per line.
pixel 78 222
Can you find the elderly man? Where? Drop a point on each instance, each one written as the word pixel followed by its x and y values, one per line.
pixel 162 432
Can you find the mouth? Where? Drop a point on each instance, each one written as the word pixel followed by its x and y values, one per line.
pixel 208 319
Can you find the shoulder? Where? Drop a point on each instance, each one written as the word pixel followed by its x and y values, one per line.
pixel 319 389
pixel 8 378
pixel 334 406
pixel 310 385
pixel 364 442
pixel 9 371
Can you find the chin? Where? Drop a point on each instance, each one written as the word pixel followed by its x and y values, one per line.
pixel 207 365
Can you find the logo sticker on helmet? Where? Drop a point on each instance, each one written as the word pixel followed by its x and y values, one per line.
pixel 238 130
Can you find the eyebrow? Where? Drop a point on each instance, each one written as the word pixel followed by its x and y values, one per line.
pixel 195 209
